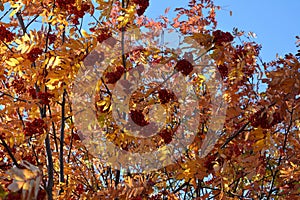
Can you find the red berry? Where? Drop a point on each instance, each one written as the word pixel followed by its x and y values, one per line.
pixel 79 189
pixel 37 126
pixel 34 54
pixel 113 77
pixel 32 93
pixel 166 135
pixel 184 66
pixel 223 71
pixel 138 117
pixel 142 6
pixel 6 35
pixel 165 96
pixel 44 97
pixel 221 37
pixel 104 35
pixel 51 38
pixel 18 85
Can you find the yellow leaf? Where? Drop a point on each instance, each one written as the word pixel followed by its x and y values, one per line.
pixel 258 133
pixel 51 60
pixel 12 62
pixel 57 61
pixel 120 18
pixel 84 33
pixel 101 103
pixel 260 144
pixel 26 37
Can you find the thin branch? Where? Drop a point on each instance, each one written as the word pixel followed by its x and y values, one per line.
pixel 10 152
pixel 123 41
pixel 280 158
pixel 53 129
pixel 182 186
pixel 15 98
pixel 235 135
pixel 5 13
pixel 62 135
pixel 21 22
pixel 20 117
pixel 31 21
pixel 8 47
pixel 107 89
pixel 49 168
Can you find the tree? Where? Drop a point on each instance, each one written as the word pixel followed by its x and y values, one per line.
pixel 45 45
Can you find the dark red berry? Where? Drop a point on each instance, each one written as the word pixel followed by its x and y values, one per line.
pixel 138 117
pixel 142 6
pixel 34 54
pixel 37 126
pixel 166 135
pixel 113 77
pixel 184 66
pixel 6 35
pixel 221 37
pixel 165 96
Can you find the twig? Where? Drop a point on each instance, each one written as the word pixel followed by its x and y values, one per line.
pixel 49 168
pixel 5 13
pixel 53 129
pixel 280 157
pixel 62 135
pixel 10 152
pixel 21 22
pixel 235 135
pixel 31 21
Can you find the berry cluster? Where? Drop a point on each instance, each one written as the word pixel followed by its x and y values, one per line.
pixel 264 120
pixel 63 4
pixel 166 135
pixel 114 76
pixel 70 6
pixel 221 37
pixel 184 66
pixel 165 96
pixel 105 33
pixel 44 97
pixel 79 189
pixel 223 69
pixel 37 126
pixel 51 37
pixel 143 5
pixel 18 86
pixel 6 35
pixel 34 54
pixel 138 117
pixel 32 92
pixel 76 137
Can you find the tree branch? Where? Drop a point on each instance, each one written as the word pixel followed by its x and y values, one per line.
pixel 234 135
pixel 280 157
pixel 9 152
pixel 21 22
pixel 49 168
pixel 62 135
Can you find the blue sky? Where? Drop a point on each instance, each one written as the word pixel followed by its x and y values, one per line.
pixel 275 22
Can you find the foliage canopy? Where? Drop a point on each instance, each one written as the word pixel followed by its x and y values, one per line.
pixel 43 45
